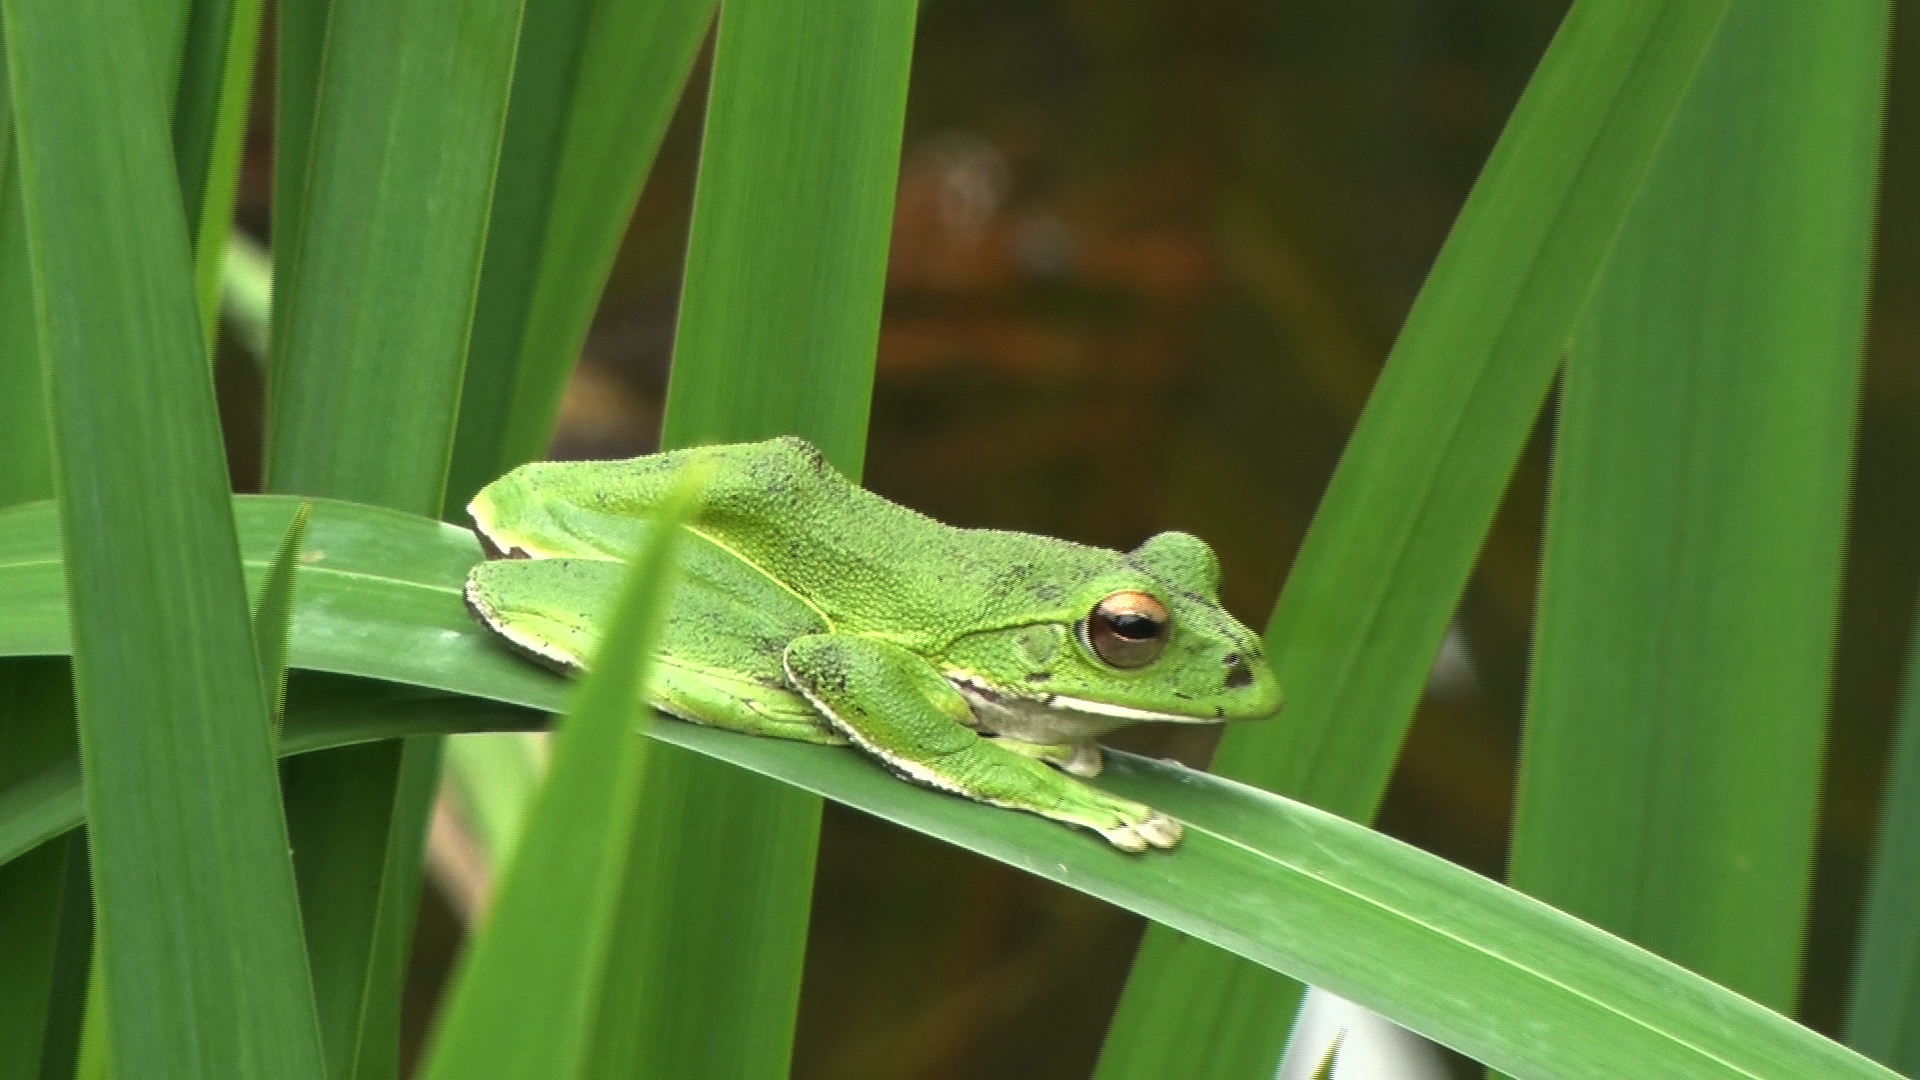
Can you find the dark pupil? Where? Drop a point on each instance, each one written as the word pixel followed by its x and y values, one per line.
pixel 1133 627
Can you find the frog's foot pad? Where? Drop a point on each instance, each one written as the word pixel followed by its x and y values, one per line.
pixel 1158 830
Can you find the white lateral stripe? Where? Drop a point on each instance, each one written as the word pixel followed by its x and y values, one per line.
pixel 1069 704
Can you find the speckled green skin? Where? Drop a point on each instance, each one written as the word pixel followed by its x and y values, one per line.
pixel 812 609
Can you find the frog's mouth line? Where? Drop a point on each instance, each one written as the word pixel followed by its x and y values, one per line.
pixel 973 687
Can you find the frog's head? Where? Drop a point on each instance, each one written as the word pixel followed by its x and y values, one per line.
pixel 1142 640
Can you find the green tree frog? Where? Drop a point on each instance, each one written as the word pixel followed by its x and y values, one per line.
pixel 975 662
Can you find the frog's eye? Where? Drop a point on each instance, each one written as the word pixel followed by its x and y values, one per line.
pixel 1127 629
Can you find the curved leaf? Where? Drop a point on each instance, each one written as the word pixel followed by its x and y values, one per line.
pixel 1446 952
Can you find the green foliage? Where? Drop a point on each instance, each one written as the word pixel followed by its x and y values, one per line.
pixel 273 614
pixel 779 317
pixel 188 874
pixel 1288 887
pixel 452 181
pixel 1698 504
pixel 537 996
pixel 587 114
pixel 1886 986
pixel 1382 570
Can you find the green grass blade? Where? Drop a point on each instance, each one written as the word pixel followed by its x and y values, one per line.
pixel 72 958
pixel 1423 941
pixel 26 464
pixel 378 290
pixel 36 713
pixel 780 314
pixel 1671 765
pixel 246 294
pixel 32 894
pixel 377 284
pixel 37 729
pixel 1383 566
pixel 594 85
pixel 298 47
pixel 1883 1014
pixel 273 614
pixel 209 126
pixel 190 868
pixel 493 779
pixel 526 1002
pixel 779 319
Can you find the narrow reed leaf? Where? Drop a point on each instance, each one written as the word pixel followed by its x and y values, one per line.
pixel 32 891
pixel 1671 765
pixel 493 779
pixel 36 711
pixel 246 294
pixel 404 108
pixel 1383 566
pixel 378 289
pixel 787 259
pixel 1457 957
pixel 72 962
pixel 273 614
pixel 1325 1071
pixel 26 464
pixel 594 85
pixel 779 320
pixel 209 127
pixel 189 851
pixel 1883 1013
pixel 36 733
pixel 525 1004
pixel 298 46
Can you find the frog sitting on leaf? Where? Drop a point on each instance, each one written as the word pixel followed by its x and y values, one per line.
pixel 966 660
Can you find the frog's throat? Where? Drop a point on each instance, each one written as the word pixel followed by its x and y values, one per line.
pixel 1047 717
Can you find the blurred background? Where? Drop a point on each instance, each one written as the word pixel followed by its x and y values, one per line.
pixel 1147 261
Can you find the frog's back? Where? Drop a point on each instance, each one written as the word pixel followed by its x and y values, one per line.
pixel 864 562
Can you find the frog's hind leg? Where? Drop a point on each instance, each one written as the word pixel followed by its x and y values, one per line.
pixel 721 699
pixel 897 707
pixel 719 661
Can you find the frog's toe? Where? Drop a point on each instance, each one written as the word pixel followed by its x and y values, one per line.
pixel 1086 760
pixel 1159 830
pixel 1139 828
pixel 1126 838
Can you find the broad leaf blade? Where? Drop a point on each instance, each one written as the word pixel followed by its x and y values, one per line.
pixel 44 892
pixel 273 613
pixel 190 866
pixel 209 126
pixel 1425 942
pixel 379 287
pixel 36 710
pixel 595 83
pixel 526 1002
pixel 1671 766
pixel 779 319
pixel 26 463
pixel 405 106
pixel 1391 546
pixel 1883 1015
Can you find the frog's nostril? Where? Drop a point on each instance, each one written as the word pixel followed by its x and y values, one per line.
pixel 1239 675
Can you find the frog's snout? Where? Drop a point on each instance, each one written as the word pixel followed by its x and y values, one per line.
pixel 1250 685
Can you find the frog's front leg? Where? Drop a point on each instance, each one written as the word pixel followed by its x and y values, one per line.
pixel 1079 758
pixel 897 707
